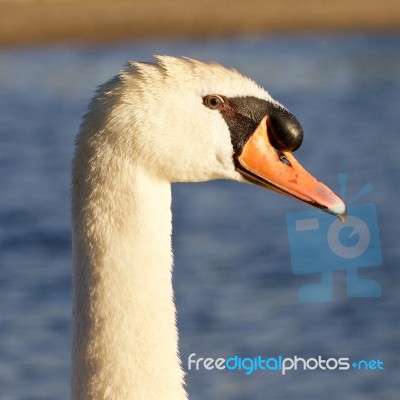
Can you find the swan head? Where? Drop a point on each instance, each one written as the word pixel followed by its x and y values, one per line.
pixel 189 121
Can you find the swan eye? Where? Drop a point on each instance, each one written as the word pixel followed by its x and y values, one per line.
pixel 213 102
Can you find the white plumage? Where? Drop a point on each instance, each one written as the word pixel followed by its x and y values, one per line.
pixel 146 128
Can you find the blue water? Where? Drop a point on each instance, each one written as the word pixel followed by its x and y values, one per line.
pixel 235 290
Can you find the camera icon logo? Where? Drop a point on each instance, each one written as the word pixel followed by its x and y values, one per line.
pixel 320 243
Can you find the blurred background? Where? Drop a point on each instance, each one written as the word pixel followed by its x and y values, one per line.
pixel 335 65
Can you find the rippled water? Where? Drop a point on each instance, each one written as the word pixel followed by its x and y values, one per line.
pixel 235 290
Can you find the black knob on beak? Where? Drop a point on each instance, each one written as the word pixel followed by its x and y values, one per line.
pixel 285 132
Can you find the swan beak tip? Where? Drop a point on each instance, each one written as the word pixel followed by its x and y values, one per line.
pixel 340 212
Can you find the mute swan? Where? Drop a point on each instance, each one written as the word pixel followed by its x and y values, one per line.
pixel 174 120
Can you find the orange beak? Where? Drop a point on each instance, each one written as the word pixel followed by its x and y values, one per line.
pixel 262 164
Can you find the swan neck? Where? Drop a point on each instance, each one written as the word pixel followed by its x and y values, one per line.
pixel 125 343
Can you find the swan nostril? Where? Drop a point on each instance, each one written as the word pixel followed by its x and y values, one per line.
pixel 285 160
pixel 286 133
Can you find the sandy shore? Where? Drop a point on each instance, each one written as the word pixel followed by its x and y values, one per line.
pixel 26 22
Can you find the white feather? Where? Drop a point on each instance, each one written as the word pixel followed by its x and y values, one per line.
pixel 144 129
